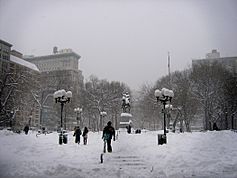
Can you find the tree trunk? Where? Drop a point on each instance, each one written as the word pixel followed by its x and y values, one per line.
pixel 175 121
pixel 181 126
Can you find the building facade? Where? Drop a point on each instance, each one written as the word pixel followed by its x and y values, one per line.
pixel 5 50
pixel 59 70
pixel 65 59
pixel 19 80
pixel 229 63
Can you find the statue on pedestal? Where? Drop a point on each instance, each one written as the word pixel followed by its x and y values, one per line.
pixel 126 103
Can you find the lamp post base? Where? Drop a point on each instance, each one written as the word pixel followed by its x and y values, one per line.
pixel 60 137
pixel 162 139
pixel 63 138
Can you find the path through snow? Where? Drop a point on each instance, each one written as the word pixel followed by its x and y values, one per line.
pixel 209 154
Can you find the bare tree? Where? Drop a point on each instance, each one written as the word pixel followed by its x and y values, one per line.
pixel 147 112
pixel 101 95
pixel 184 101
pixel 209 80
pixel 18 91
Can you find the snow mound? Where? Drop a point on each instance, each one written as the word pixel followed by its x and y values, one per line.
pixel 126 115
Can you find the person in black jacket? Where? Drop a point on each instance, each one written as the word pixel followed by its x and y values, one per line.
pixel 26 129
pixel 85 135
pixel 77 133
pixel 129 129
pixel 215 127
pixel 108 134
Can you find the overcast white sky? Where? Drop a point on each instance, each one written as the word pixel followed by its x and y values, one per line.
pixel 124 40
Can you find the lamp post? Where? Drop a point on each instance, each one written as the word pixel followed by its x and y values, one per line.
pixel 62 97
pixel 226 120
pixel 30 119
pixel 11 119
pixel 78 112
pixel 164 96
pixel 168 108
pixel 102 114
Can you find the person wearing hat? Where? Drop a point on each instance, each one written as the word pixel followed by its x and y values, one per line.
pixel 108 134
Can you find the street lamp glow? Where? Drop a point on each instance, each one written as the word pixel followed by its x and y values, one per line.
pixel 103 113
pixel 69 94
pixel 62 95
pixel 167 93
pixel 158 93
pixel 78 112
pixel 168 106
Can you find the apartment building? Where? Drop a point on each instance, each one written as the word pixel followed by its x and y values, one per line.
pixel 59 70
pixel 229 63
pixel 19 106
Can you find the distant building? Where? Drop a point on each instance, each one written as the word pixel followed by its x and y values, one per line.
pixel 5 50
pixel 229 63
pixel 16 53
pixel 16 70
pixel 213 55
pixel 65 59
pixel 26 114
pixel 59 70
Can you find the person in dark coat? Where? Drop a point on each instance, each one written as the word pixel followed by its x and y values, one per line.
pixel 77 134
pixel 215 127
pixel 129 129
pixel 108 134
pixel 85 135
pixel 26 129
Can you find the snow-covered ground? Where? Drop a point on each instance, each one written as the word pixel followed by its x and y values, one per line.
pixel 197 154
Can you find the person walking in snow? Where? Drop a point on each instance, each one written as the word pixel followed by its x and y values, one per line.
pixel 77 134
pixel 108 134
pixel 129 129
pixel 215 127
pixel 26 129
pixel 85 135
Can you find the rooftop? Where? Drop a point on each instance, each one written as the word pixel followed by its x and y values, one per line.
pixel 61 54
pixel 5 43
pixel 23 63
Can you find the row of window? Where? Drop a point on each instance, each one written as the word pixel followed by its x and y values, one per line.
pixel 4 50
pixel 52 65
pixel 6 57
pixel 49 69
pixel 54 68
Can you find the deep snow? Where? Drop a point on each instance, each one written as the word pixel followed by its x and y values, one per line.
pixel 197 154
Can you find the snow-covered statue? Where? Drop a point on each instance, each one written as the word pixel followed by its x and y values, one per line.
pixel 126 103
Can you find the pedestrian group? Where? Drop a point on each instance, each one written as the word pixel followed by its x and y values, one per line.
pixel 77 135
pixel 107 136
